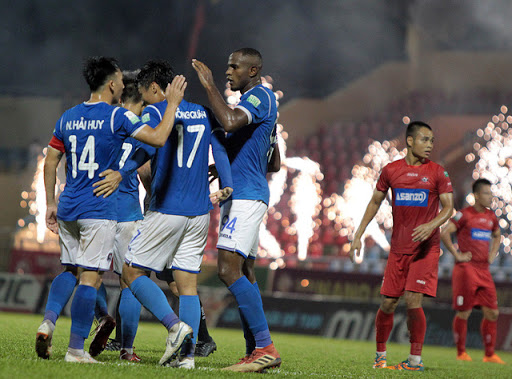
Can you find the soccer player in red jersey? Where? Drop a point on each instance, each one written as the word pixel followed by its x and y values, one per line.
pixel 478 236
pixel 418 186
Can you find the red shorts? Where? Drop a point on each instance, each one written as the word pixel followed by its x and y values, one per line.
pixel 472 286
pixel 415 273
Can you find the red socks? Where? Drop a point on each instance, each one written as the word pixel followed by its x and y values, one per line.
pixel 383 327
pixel 460 329
pixel 417 325
pixel 488 330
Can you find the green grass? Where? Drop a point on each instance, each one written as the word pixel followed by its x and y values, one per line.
pixel 302 356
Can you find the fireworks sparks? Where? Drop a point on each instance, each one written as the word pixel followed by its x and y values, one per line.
pixel 493 156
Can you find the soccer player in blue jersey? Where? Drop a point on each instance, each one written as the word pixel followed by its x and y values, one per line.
pixel 175 228
pixel 128 216
pixel 251 128
pixel 91 135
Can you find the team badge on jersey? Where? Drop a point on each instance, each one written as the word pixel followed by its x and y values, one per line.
pixel 424 179
pixel 254 100
pixel 132 117
pixel 411 197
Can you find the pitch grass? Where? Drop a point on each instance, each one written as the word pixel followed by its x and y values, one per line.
pixel 302 356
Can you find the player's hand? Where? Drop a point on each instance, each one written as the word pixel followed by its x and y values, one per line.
pixel 355 250
pixel 212 173
pixel 176 90
pixel 203 73
pixel 221 195
pixel 422 232
pixel 51 218
pixel 463 257
pixel 108 185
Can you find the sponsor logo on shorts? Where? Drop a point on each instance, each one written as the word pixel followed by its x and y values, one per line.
pixel 420 282
pixel 224 235
pixel 411 197
pixel 480 234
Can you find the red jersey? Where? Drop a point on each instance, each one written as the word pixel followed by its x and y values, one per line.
pixel 474 232
pixel 416 191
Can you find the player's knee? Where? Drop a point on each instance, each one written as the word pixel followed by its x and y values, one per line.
pixel 388 305
pixel 227 275
pixel 491 314
pixel 413 299
pixel 464 314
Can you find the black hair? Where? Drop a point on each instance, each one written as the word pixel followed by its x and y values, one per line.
pixel 131 89
pixel 479 183
pixel 158 71
pixel 249 51
pixel 97 71
pixel 413 127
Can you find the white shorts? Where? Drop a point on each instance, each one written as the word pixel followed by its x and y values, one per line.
pixel 170 241
pixel 87 243
pixel 124 234
pixel 240 226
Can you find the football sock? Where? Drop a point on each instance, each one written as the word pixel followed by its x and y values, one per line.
pixel 417 325
pixel 460 329
pixel 383 327
pixel 101 308
pixel 119 332
pixel 203 335
pixel 152 297
pixel 129 312
pixel 82 315
pixel 250 343
pixel 190 313
pixel 414 360
pixel 249 303
pixel 488 330
pixel 60 291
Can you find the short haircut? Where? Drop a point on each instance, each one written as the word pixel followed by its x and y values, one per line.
pixel 158 71
pixel 131 89
pixel 249 51
pixel 413 128
pixel 479 183
pixel 97 70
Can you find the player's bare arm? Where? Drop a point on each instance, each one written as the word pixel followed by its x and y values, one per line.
pixel 53 157
pixel 446 237
pixel 495 245
pixel 230 119
pixel 144 172
pixel 369 214
pixel 157 137
pixel 424 231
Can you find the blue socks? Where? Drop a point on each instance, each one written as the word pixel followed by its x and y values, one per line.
pixel 250 343
pixel 152 297
pixel 101 303
pixel 82 315
pixel 60 292
pixel 190 313
pixel 129 312
pixel 251 307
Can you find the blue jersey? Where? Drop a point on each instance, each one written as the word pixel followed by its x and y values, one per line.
pixel 128 204
pixel 92 134
pixel 250 147
pixel 179 169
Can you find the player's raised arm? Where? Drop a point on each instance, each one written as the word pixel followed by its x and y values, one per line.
pixel 423 231
pixel 158 136
pixel 53 157
pixel 446 237
pixel 231 119
pixel 369 214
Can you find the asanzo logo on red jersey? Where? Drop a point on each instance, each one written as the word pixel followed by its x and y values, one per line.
pixel 480 234
pixel 411 197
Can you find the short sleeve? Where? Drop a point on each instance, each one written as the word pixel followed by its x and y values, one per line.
pixel 57 132
pixel 458 220
pixel 257 105
pixel 444 182
pixel 127 122
pixel 383 182
pixel 151 116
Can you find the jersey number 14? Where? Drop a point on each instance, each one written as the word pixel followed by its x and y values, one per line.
pixel 86 162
